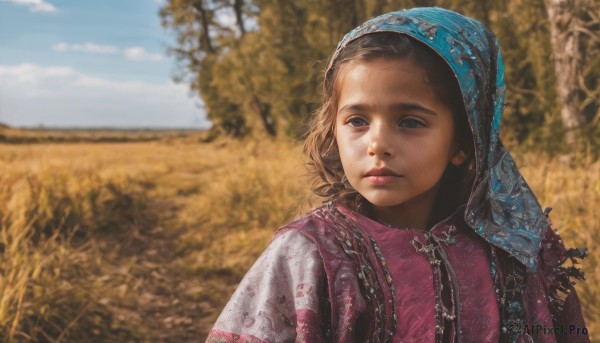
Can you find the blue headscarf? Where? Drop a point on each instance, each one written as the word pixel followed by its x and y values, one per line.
pixel 501 208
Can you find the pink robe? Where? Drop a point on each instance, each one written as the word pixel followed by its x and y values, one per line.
pixel 307 287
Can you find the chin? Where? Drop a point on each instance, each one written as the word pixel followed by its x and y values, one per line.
pixel 383 201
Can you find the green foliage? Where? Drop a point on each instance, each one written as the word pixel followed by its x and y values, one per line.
pixel 261 73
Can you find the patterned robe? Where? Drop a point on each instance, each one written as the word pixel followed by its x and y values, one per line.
pixel 310 286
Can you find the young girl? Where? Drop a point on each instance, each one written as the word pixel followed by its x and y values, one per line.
pixel 430 233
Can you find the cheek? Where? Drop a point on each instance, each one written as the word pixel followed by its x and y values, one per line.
pixel 430 157
pixel 348 155
pixel 442 142
pixel 344 152
pixel 341 142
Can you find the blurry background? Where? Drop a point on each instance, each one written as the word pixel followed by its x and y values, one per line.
pixel 148 148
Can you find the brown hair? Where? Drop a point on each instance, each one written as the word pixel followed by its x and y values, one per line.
pixel 320 145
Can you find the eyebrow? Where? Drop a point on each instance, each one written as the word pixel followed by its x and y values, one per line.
pixel 402 106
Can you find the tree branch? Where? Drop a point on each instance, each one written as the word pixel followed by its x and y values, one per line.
pixel 593 35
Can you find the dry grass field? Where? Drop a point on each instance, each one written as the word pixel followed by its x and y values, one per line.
pixel 145 242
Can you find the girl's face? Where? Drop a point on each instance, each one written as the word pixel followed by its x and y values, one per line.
pixel 395 137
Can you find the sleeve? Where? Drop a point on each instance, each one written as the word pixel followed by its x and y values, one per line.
pixel 278 299
pixel 557 279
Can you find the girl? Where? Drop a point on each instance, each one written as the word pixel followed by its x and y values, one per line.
pixel 430 233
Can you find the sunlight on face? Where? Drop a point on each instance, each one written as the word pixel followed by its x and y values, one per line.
pixel 395 137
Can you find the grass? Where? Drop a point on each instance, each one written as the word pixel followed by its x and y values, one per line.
pixel 146 241
pixel 574 194
pixel 57 216
pixel 43 135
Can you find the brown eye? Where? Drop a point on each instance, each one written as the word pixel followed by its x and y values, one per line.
pixel 411 123
pixel 356 122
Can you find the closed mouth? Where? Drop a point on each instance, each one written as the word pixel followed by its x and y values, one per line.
pixel 381 172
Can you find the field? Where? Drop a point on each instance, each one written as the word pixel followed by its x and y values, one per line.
pixel 145 241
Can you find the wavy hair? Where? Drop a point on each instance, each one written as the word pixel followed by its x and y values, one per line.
pixel 320 146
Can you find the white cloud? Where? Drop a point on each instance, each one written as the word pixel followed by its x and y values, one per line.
pixel 35 5
pixel 133 54
pixel 140 54
pixel 86 47
pixel 62 96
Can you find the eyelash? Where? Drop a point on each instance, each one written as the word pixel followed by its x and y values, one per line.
pixel 418 122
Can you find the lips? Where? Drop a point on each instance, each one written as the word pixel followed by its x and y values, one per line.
pixel 381 172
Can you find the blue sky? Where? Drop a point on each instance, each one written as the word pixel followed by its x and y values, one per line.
pixel 90 63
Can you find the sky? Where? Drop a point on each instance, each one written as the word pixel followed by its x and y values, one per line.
pixel 90 63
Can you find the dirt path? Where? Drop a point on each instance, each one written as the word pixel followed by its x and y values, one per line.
pixel 167 303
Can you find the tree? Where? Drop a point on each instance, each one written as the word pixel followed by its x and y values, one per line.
pixel 201 40
pixel 257 63
pixel 575 46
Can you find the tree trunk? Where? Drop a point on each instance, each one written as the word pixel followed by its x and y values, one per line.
pixel 261 108
pixel 238 7
pixel 567 63
pixel 486 10
pixel 204 21
pixel 424 3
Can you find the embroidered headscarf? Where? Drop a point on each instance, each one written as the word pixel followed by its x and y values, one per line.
pixel 501 208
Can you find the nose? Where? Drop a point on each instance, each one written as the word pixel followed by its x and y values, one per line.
pixel 380 141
